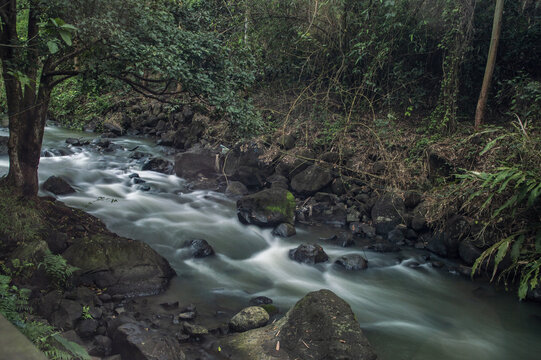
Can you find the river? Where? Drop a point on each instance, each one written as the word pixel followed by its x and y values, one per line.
pixel 406 311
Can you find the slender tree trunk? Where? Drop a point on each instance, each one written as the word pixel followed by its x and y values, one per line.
pixel 491 61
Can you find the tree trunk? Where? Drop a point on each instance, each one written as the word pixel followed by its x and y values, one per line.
pixel 491 61
pixel 26 129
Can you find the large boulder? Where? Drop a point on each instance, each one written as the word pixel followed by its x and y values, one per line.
pixel 267 208
pixel 308 254
pixel 123 266
pixel 197 163
pixel 4 145
pixel 252 317
pixel 311 180
pixel 57 186
pixel 387 213
pixel 135 342
pixel 320 326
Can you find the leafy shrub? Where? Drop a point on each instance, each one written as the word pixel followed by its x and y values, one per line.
pixel 508 200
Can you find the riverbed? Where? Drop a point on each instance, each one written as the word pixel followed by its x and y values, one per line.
pixel 407 308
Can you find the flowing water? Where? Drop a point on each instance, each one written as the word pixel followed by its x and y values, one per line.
pixel 407 312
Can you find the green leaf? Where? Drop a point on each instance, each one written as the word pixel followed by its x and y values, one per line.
pixel 66 36
pixel 523 289
pixel 53 47
pixel 515 250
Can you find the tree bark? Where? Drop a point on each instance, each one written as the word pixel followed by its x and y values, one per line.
pixel 27 104
pixel 491 61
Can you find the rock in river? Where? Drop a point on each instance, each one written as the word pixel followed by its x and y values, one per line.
pixel 249 318
pixel 352 262
pixel 121 265
pixel 320 326
pixel 267 208
pixel 200 248
pixel 57 186
pixel 308 254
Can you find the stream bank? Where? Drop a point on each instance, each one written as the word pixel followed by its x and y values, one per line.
pixel 405 305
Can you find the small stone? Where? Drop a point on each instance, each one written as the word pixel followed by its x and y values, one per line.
pixel 120 310
pixel 186 316
pixel 284 230
pixel 200 248
pixel 249 318
pixel 260 300
pixel 170 305
pixel 194 330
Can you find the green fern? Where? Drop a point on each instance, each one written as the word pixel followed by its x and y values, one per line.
pixel 58 270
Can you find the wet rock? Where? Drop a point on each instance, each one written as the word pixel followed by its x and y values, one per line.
pixel 197 163
pixel 284 230
pixel 308 254
pixel 323 213
pixel 101 346
pixel 158 165
pixel 73 142
pixel 57 186
pixel 468 251
pixel 249 318
pixel 133 341
pixel 311 180
pixel 320 320
pixel 87 328
pixel 267 208
pixel 260 300
pixel 435 243
pixel 352 262
pixel 236 188
pixel 456 229
pixel 387 213
pixel 199 248
pixel 123 266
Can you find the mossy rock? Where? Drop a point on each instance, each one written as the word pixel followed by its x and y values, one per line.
pixel 121 265
pixel 267 208
pixel 320 326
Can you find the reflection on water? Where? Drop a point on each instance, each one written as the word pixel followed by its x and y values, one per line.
pixel 407 312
